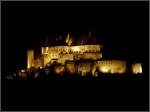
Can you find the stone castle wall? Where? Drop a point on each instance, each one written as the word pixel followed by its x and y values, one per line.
pixel 136 68
pixel 63 53
pixel 73 49
pixel 111 66
pixel 30 58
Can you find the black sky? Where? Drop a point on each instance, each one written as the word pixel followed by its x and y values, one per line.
pixel 121 26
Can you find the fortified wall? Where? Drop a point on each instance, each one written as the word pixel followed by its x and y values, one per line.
pixel 62 54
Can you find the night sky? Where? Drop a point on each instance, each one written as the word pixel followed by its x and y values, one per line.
pixel 121 27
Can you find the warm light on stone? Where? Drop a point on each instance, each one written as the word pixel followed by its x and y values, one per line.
pixel 59 69
pixel 63 53
pixel 37 63
pixel 44 50
pixel 76 49
pixel 113 66
pixel 51 55
pixel 71 68
pixel 137 68
pixel 30 59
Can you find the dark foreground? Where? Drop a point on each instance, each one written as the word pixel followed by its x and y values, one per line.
pixel 106 92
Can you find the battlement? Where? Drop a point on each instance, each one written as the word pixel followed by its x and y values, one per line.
pixel 72 49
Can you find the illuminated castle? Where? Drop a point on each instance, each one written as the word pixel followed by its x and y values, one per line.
pixel 72 53
pixel 63 53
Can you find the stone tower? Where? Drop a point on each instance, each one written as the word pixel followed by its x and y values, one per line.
pixel 30 59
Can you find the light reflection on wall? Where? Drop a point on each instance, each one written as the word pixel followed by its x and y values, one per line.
pixel 71 68
pixel 137 68
pixel 44 50
pixel 30 58
pixel 114 66
pixel 37 63
pixel 63 53
pixel 59 69
pixel 85 68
